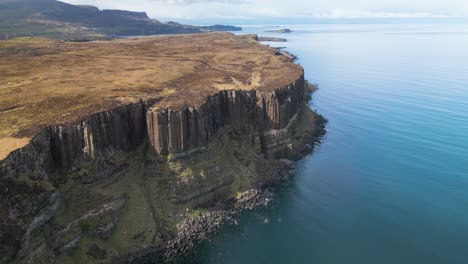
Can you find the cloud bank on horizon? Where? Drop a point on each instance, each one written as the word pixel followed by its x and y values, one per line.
pixel 239 10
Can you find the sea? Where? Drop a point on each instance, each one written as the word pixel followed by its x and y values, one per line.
pixel 389 183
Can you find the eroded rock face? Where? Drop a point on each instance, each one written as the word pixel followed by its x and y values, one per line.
pixel 176 131
pixel 122 128
pixel 60 148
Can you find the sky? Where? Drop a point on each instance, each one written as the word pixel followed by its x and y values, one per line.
pixel 256 11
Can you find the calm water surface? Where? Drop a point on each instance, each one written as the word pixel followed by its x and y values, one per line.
pixel 390 182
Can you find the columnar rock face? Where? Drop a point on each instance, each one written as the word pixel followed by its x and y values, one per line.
pixel 60 148
pixel 177 131
pixel 174 131
pixel 122 128
pixel 280 106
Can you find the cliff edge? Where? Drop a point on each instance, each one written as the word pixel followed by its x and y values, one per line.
pixel 139 148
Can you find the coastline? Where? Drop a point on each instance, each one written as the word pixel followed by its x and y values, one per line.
pixel 200 227
pixel 274 162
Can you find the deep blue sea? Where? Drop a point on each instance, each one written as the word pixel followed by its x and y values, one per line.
pixel 389 184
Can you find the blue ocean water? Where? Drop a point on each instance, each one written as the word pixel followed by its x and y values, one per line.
pixel 389 184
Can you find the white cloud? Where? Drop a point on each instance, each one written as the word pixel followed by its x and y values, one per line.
pixel 260 9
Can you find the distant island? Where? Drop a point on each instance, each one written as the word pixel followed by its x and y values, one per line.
pixel 284 30
pixel 55 19
pixel 221 28
pixel 271 39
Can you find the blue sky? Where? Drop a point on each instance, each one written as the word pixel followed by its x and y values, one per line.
pixel 257 11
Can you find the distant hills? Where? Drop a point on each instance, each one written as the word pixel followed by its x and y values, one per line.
pixel 51 18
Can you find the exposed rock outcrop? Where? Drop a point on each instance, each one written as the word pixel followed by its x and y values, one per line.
pixel 60 148
pixel 176 131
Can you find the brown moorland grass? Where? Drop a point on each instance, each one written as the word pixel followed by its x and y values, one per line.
pixel 45 82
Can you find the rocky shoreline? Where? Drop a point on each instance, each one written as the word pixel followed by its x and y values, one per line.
pixel 200 226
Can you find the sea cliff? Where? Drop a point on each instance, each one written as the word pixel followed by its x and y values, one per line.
pixel 178 131
pixel 148 179
pixel 170 131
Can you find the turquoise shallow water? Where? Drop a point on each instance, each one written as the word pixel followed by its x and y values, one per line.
pixel 389 184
